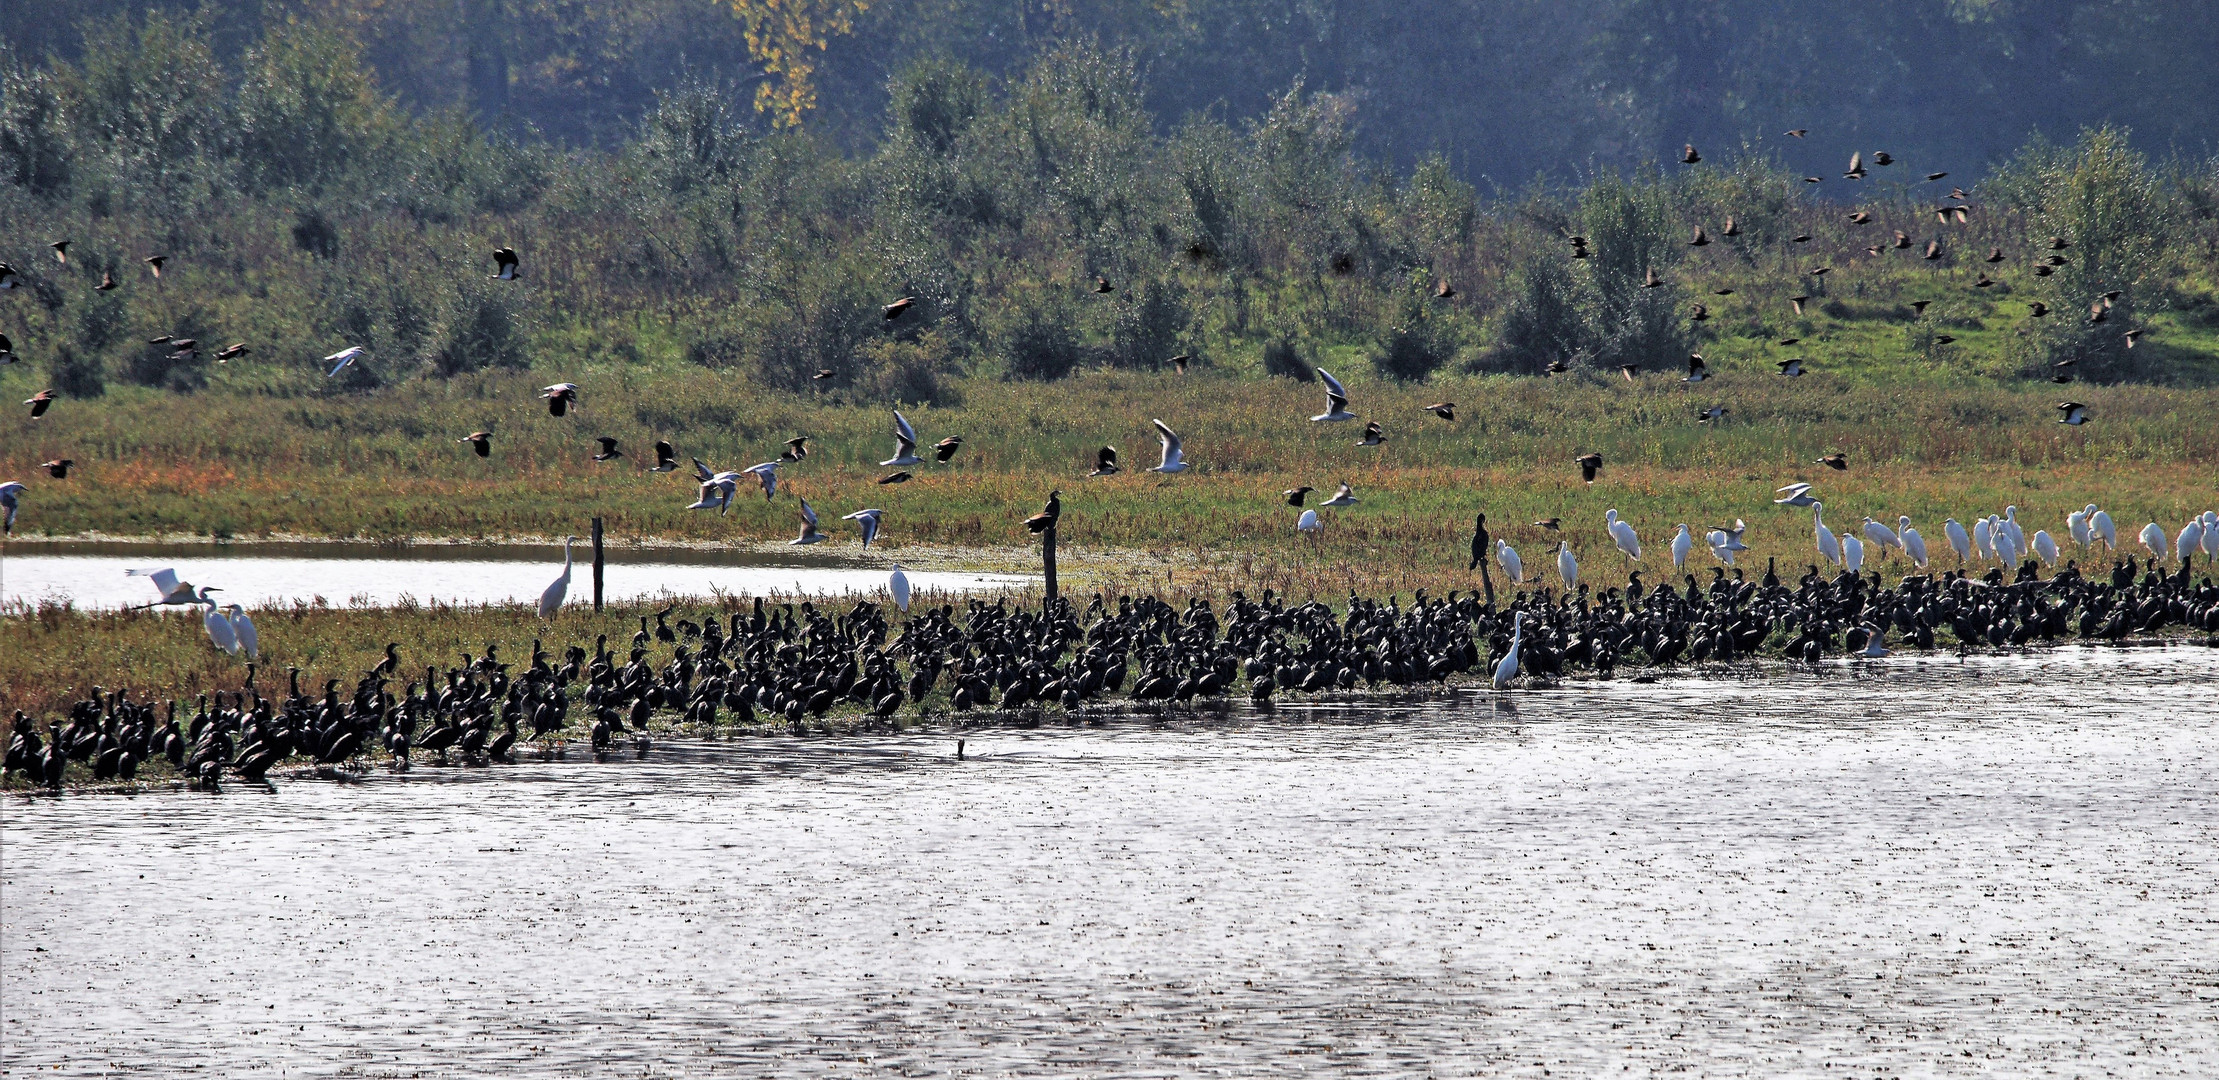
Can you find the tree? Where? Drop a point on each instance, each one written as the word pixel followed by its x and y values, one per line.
pixel 2103 200
pixel 780 35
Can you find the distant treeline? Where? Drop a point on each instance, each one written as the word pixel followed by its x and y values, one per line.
pixel 1042 221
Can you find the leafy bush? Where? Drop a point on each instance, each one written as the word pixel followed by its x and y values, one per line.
pixel 480 331
pixel 1282 358
pixel 1039 337
pixel 73 375
pixel 1146 332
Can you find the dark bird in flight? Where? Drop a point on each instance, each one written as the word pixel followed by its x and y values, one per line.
pixel 609 452
pixel 57 468
pixel 946 448
pixel 1836 462
pixel 505 264
pixel 480 441
pixel 61 251
pixel 666 457
pixel 1105 462
pixel 894 310
pixel 1446 410
pixel 1296 496
pixel 1688 156
pixel 796 449
pixel 39 403
pixel 896 478
pixel 1589 466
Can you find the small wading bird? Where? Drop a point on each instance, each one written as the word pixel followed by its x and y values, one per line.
pixel 1336 400
pixel 1174 452
pixel 1309 522
pixel 480 441
pixel 867 522
pixel 339 360
pixel 1105 462
pixel 505 264
pixel 905 443
pixel 809 533
pixel 559 397
pixel 608 452
pixel 551 600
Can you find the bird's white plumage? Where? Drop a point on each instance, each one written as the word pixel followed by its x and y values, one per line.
pixel 219 629
pixel 2153 538
pixel 1567 567
pixel 1682 545
pixel 1508 668
pixel 1308 522
pixel 1852 552
pixel 1829 545
pixel 1174 451
pixel 1507 557
pixel 1913 544
pixel 1794 495
pixel 341 359
pixel 2045 547
pixel 1880 535
pixel 1336 400
pixel 897 587
pixel 1622 534
pixel 2076 525
pixel 868 522
pixel 2191 539
pixel 905 443
pixel 1346 496
pixel 2099 525
pixel 551 600
pixel 809 533
pixel 250 639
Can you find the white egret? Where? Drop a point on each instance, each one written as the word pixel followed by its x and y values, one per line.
pixel 1984 538
pixel 1174 454
pixel 897 586
pixel 551 600
pixel 2099 524
pixel 1622 534
pixel 1336 400
pixel 905 443
pixel 1507 558
pixel 1725 542
pixel 2011 523
pixel 1958 541
pixel 2191 539
pixel 1308 522
pixel 1682 544
pixel 219 628
pixel 1881 535
pixel 174 592
pixel 2076 523
pixel 2008 550
pixel 2045 546
pixel 2153 538
pixel 1829 545
pixel 2211 534
pixel 1508 668
pixel 1852 552
pixel 1567 567
pixel 1914 545
pixel 8 493
pixel 250 641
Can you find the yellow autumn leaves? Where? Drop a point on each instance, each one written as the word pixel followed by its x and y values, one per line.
pixel 781 35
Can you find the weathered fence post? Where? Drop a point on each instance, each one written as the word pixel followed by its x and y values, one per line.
pixel 597 563
pixel 1048 557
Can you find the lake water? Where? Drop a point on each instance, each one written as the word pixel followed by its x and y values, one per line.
pixel 1996 867
pixel 255 575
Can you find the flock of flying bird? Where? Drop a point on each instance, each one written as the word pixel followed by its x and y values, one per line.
pixel 1996 537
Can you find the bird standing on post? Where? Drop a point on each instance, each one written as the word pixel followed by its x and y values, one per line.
pixel 1046 518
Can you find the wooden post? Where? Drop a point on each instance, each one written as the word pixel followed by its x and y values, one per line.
pixel 1487 580
pixel 597 564
pixel 1048 558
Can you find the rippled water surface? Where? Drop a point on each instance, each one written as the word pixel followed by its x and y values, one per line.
pixel 1927 868
pixel 91 575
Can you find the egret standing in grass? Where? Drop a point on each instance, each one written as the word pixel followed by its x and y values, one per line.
pixel 2008 548
pixel 2045 546
pixel 2076 525
pixel 219 628
pixel 897 586
pixel 1507 558
pixel 1567 567
pixel 1983 539
pixel 250 642
pixel 1958 541
pixel 1852 552
pixel 2153 538
pixel 1913 544
pixel 1682 544
pixel 1623 535
pixel 1881 535
pixel 1828 544
pixel 2191 539
pixel 2100 527
pixel 1308 522
pixel 1508 668
pixel 551 600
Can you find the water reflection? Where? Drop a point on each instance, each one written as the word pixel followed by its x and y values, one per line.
pixel 1928 868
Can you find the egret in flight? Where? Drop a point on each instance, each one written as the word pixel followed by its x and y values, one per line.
pixel 175 593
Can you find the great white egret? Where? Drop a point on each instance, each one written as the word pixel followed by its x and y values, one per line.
pixel 1174 453
pixel 1913 544
pixel 1308 522
pixel 2191 539
pixel 1508 668
pixel 2099 525
pixel 905 443
pixel 250 641
pixel 2153 538
pixel 219 628
pixel 1336 400
pixel 1984 539
pixel 1852 552
pixel 2045 546
pixel 1622 534
pixel 1682 544
pixel 1567 567
pixel 2211 533
pixel 174 592
pixel 2011 523
pixel 1828 544
pixel 2076 523
pixel 1881 535
pixel 897 586
pixel 1958 541
pixel 2008 550
pixel 1507 558
pixel 551 600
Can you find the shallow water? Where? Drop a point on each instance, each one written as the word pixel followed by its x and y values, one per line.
pixel 1920 868
pixel 91 575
